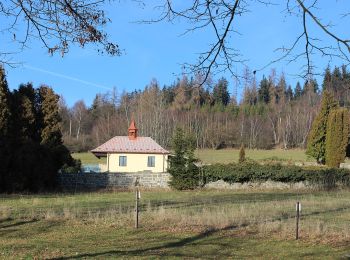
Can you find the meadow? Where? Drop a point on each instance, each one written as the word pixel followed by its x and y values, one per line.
pixel 225 155
pixel 191 224
pixel 254 224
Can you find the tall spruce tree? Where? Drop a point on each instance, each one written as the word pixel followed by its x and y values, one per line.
pixel 185 174
pixel 337 137
pixel 220 92
pixel 316 144
pixel 327 79
pixel 298 92
pixel 25 111
pixel 51 135
pixel 50 118
pixel 264 91
pixel 289 93
pixel 4 105
pixel 5 125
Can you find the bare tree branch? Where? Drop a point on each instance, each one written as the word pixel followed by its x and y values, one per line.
pixel 217 16
pixel 57 24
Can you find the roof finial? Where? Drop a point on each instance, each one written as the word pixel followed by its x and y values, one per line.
pixel 132 131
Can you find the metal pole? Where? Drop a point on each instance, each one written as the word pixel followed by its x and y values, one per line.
pixel 297 220
pixel 137 209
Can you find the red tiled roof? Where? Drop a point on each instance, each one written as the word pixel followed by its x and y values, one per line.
pixel 122 144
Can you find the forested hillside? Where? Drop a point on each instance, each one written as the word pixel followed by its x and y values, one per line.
pixel 271 112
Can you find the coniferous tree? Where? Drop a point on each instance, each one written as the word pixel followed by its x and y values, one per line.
pixel 327 79
pixel 51 135
pixel 4 105
pixel 298 91
pixel 344 73
pixel 185 174
pixel 337 137
pixel 289 94
pixel 316 144
pixel 241 154
pixel 50 118
pixel 264 91
pixel 281 90
pixel 314 85
pixel 31 147
pixel 25 111
pixel 220 92
pixel 5 126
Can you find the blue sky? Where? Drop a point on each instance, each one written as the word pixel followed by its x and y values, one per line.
pixel 158 50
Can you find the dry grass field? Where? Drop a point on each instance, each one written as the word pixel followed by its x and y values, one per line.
pixel 197 224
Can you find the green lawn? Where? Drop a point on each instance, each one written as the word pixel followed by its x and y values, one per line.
pixel 231 155
pixel 223 156
pixel 89 158
pixel 197 224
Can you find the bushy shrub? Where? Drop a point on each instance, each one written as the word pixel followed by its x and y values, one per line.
pixel 74 168
pixel 30 168
pixel 251 171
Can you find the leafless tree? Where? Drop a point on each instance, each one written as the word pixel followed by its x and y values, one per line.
pixel 220 17
pixel 62 23
pixel 79 113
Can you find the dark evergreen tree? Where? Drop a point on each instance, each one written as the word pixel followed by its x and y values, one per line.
pixel 289 93
pixel 327 79
pixel 281 90
pixel 264 91
pixel 5 126
pixel 336 79
pixel 316 144
pixel 298 92
pixel 32 150
pixel 50 118
pixel 168 94
pixel 185 174
pixel 51 135
pixel 96 106
pixel 4 105
pixel 337 137
pixel 25 112
pixel 344 73
pixel 220 92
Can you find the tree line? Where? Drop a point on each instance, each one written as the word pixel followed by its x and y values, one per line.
pixel 270 114
pixel 31 145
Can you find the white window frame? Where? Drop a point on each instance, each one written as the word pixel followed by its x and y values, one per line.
pixel 151 163
pixel 124 160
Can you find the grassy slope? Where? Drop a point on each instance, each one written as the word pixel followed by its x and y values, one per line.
pixel 175 224
pixel 222 156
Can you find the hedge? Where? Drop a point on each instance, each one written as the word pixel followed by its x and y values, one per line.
pixel 254 172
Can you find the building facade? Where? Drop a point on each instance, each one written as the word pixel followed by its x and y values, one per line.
pixel 133 153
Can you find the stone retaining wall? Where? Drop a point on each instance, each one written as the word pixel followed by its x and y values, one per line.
pixel 97 181
pixel 93 181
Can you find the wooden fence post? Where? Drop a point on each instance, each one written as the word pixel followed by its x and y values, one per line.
pixel 137 209
pixel 298 207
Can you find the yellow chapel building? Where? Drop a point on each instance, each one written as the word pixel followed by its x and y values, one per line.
pixel 133 153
